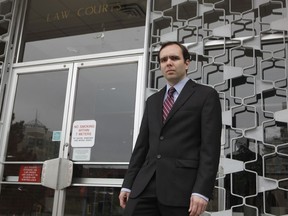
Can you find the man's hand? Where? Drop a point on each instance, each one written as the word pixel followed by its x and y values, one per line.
pixel 197 206
pixel 123 198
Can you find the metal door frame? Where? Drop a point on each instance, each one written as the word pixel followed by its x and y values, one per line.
pixel 73 65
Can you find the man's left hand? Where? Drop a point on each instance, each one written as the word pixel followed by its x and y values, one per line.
pixel 197 205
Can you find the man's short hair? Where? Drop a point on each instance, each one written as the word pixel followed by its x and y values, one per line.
pixel 186 54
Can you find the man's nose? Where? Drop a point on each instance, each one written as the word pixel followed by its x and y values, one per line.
pixel 169 61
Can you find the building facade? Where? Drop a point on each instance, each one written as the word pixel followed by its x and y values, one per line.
pixel 74 77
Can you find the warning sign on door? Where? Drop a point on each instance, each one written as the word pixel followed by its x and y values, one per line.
pixel 83 133
pixel 30 173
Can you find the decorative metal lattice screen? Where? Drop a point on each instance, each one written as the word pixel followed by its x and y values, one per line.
pixel 6 8
pixel 239 47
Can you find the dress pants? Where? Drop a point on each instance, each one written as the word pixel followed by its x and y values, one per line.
pixel 147 204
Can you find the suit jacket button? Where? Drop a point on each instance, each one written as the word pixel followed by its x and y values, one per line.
pixel 158 156
pixel 161 137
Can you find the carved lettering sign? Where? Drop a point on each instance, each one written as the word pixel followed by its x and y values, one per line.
pixel 91 10
pixel 55 19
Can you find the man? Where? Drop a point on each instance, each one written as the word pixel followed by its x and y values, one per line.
pixel 173 166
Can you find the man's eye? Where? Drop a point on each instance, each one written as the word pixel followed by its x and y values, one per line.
pixel 164 59
pixel 172 58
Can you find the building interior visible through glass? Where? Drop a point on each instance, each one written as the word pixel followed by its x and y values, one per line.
pixel 71 28
pixel 238 47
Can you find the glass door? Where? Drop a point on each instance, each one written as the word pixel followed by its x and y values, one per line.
pixel 106 103
pixel 85 112
pixel 33 133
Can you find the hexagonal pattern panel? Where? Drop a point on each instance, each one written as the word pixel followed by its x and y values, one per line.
pixel 240 49
pixel 5 19
pixel 6 7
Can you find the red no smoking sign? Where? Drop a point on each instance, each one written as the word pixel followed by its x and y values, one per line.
pixel 30 173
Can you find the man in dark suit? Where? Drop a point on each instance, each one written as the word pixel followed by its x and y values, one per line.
pixel 174 163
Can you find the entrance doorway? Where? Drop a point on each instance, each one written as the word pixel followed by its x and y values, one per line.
pixel 47 102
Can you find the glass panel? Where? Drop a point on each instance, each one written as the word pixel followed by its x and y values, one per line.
pixel 92 201
pixel 65 28
pixel 106 94
pixel 37 113
pixel 26 200
pixel 99 171
pixel 22 173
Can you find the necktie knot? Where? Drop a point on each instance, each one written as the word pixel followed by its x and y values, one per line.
pixel 171 91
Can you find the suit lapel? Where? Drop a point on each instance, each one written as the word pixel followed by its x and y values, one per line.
pixel 185 94
pixel 159 105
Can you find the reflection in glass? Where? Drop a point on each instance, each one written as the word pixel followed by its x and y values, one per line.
pixel 243 183
pixel 55 29
pixel 276 202
pixel 26 200
pixel 106 94
pixel 92 201
pixel 275 133
pixel 38 111
pixel 99 171
pixel 276 168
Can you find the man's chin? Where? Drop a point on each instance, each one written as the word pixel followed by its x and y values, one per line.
pixel 172 80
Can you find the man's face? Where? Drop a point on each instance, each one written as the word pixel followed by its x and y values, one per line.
pixel 172 64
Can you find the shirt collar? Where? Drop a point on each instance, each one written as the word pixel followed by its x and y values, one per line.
pixel 179 86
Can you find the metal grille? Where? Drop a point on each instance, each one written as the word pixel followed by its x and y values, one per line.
pixel 240 49
pixel 6 8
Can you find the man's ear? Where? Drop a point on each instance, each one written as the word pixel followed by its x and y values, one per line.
pixel 187 62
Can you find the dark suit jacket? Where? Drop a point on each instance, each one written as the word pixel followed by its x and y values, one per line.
pixel 184 151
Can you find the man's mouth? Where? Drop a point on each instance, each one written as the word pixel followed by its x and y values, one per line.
pixel 169 71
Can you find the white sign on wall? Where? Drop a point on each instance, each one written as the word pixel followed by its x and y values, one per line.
pixel 83 133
